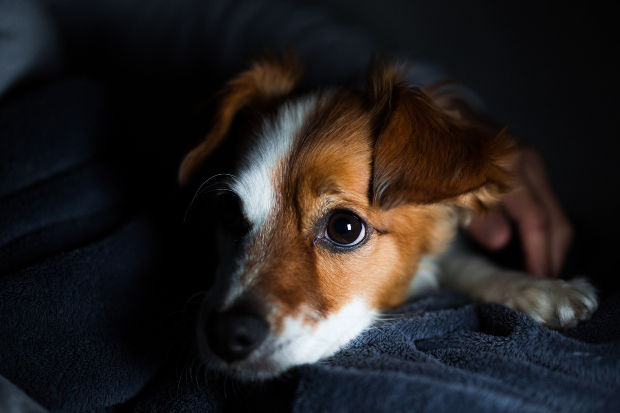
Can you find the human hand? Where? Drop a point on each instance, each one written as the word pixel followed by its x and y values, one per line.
pixel 546 233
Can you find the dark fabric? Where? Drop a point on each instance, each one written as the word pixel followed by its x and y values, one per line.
pixel 446 355
pixel 439 353
pixel 160 41
pixel 13 400
pixel 77 265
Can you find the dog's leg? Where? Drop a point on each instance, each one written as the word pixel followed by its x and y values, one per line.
pixel 555 304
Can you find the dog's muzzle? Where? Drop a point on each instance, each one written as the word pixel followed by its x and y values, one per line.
pixel 234 333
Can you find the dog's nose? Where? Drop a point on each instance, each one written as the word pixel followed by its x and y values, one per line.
pixel 233 334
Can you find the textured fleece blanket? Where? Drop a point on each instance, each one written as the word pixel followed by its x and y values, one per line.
pixel 441 353
pixel 92 292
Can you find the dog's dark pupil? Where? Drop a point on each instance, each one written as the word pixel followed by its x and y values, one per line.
pixel 344 228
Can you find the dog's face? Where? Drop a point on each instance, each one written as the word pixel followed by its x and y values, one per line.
pixel 336 198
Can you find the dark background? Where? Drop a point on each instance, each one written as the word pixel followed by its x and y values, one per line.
pixel 547 70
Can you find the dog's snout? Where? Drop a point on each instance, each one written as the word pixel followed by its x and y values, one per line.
pixel 233 334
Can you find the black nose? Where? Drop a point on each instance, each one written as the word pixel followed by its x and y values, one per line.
pixel 233 334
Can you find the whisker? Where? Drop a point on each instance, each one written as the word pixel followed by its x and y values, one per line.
pixel 187 302
pixel 189 208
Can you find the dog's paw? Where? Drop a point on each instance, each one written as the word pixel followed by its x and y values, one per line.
pixel 555 304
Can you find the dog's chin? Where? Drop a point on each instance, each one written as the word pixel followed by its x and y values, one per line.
pixel 266 362
pixel 245 370
pixel 296 344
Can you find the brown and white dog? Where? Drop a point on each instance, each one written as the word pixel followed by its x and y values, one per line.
pixel 343 203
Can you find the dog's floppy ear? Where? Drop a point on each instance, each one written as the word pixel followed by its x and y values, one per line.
pixel 424 155
pixel 268 79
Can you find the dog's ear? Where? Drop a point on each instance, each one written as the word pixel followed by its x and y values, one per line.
pixel 268 79
pixel 423 154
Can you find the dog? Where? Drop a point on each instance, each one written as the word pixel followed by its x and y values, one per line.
pixel 343 203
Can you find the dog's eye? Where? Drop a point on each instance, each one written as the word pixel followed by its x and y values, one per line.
pixel 229 211
pixel 345 229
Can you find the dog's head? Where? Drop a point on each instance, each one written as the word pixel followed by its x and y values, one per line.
pixel 336 197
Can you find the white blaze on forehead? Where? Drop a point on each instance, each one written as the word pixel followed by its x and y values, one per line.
pixel 302 343
pixel 274 142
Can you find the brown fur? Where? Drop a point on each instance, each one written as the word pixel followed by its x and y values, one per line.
pixel 392 156
pixel 267 80
pixel 422 154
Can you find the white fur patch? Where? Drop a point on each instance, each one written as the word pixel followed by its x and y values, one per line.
pixel 302 343
pixel 256 180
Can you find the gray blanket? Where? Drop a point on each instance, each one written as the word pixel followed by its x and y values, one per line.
pixel 447 355
pixel 440 353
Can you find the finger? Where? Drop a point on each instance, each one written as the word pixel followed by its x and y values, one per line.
pixel 492 231
pixel 561 240
pixel 531 219
pixel 560 229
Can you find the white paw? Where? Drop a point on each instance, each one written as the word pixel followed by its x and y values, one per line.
pixel 555 304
